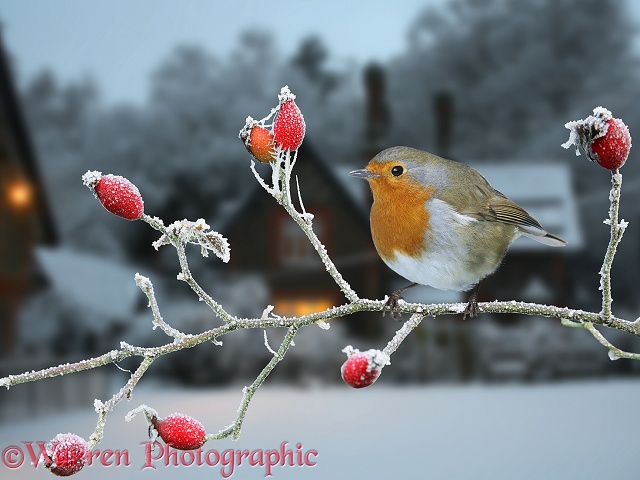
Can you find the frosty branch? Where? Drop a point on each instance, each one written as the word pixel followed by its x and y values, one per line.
pixel 277 144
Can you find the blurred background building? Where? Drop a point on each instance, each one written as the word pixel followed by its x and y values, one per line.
pixel 487 83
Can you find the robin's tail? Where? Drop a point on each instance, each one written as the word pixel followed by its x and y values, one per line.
pixel 543 236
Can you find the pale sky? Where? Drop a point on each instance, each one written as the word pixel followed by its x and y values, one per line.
pixel 119 42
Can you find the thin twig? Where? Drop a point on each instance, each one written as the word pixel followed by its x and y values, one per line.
pixel 362 305
pixel 103 409
pixel 147 288
pixel 403 332
pixel 186 276
pixel 304 223
pixel 248 392
pixel 614 352
pixel 617 230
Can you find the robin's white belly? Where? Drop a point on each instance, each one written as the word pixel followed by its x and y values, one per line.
pixel 444 272
pixel 451 260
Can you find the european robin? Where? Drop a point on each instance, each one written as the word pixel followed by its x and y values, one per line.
pixel 440 223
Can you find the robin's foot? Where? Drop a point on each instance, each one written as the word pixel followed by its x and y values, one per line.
pixel 392 302
pixel 392 305
pixel 472 306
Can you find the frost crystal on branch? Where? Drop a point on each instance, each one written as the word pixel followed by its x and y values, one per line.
pixel 197 233
pixel 90 180
pixel 582 132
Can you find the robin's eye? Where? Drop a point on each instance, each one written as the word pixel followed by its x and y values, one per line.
pixel 397 171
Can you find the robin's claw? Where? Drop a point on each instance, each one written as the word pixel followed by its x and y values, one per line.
pixel 472 306
pixel 392 302
pixel 392 305
pixel 471 310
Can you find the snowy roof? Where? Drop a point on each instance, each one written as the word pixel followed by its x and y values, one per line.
pixel 97 284
pixel 545 191
pixel 355 188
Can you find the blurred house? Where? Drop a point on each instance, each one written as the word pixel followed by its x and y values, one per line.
pixel 25 217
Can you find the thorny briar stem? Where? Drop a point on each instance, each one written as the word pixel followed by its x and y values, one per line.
pixel 578 317
pixel 614 352
pixel 248 392
pixel 147 288
pixel 184 266
pixel 280 189
pixel 103 409
pixel 304 221
pixel 617 230
pixel 206 298
pixel 59 370
pixel 403 332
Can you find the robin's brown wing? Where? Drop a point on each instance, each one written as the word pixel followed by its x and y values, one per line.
pixel 504 210
pixel 476 198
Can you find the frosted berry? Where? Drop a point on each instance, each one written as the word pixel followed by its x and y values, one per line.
pixel 116 194
pixel 362 368
pixel 260 144
pixel 180 431
pixel 289 126
pixel 604 139
pixel 66 454
pixel 611 150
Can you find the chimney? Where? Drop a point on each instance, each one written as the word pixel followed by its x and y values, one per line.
pixel 443 106
pixel 377 111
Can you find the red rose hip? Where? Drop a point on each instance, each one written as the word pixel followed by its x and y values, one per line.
pixel 180 431
pixel 604 139
pixel 289 126
pixel 260 143
pixel 362 368
pixel 66 454
pixel 612 149
pixel 116 194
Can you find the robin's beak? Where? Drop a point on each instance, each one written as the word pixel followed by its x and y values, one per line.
pixel 363 173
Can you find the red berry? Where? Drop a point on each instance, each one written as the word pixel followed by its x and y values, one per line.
pixel 260 144
pixel 181 431
pixel 66 454
pixel 612 149
pixel 604 139
pixel 362 368
pixel 289 125
pixel 116 194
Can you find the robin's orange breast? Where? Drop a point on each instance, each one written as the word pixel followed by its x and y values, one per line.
pixel 399 220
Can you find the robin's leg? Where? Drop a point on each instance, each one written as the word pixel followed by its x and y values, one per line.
pixel 472 305
pixel 392 302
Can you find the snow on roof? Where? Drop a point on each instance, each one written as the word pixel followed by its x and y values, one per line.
pixel 97 284
pixel 545 191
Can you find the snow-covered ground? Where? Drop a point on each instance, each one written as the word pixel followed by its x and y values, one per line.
pixel 579 430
